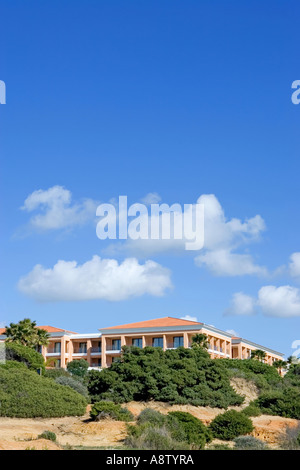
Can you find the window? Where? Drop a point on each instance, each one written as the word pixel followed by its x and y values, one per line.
pixel 158 342
pixel 137 342
pixel 116 344
pixel 57 347
pixel 178 341
pixel 58 363
pixel 82 348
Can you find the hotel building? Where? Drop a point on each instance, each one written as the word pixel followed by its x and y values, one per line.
pixel 102 348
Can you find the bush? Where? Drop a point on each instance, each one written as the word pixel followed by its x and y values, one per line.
pixel 194 431
pixel 153 438
pixel 13 365
pixel 28 356
pixel 78 367
pixel 149 416
pixel 108 409
pixel 264 376
pixel 177 376
pixel 57 372
pixel 251 410
pixel 230 424
pixel 25 394
pixel 74 384
pixel 248 443
pixel 285 403
pixel 51 436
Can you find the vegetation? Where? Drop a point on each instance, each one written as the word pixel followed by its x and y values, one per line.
pixel 57 372
pixel 175 431
pixel 76 385
pixel 258 354
pixel 199 340
pixel 26 333
pixel 175 376
pixel 51 436
pixel 249 443
pixel 78 367
pixel 108 409
pixel 25 394
pixel 284 402
pixel 252 410
pixel 231 424
pixel 24 354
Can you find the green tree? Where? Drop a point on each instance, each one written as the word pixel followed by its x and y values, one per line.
pixel 279 365
pixel 78 367
pixel 258 354
pixel 199 340
pixel 26 333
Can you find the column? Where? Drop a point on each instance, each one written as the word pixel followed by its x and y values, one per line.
pixel 185 340
pixel 89 351
pixel 103 355
pixel 164 342
pixel 63 352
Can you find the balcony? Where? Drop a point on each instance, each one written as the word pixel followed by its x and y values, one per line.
pixel 81 351
pixel 96 350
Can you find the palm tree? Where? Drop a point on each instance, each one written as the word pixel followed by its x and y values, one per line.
pixel 26 333
pixel 279 365
pixel 199 340
pixel 258 354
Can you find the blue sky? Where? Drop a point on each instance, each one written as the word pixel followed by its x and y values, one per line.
pixel 181 99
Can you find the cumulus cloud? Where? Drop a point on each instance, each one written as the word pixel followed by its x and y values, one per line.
pixel 151 198
pixel 241 304
pixel 55 209
pixel 189 318
pixel 96 279
pixel 283 301
pixel 224 263
pixel 233 333
pixel 223 238
pixel 294 266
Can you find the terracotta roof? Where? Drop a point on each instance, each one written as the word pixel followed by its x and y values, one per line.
pixel 49 329
pixel 158 322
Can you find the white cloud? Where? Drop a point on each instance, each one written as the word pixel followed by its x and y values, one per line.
pixel 222 238
pixel 56 209
pixel 189 318
pixel 224 263
pixel 96 279
pixel 294 266
pixel 233 333
pixel 241 304
pixel 151 198
pixel 283 301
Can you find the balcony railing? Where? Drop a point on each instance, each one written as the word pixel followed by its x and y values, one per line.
pixel 80 351
pixel 96 349
pixel 53 350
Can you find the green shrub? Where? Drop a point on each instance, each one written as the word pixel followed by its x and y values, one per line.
pixel 17 352
pixel 57 372
pixel 264 376
pixel 153 438
pixel 251 410
pixel 74 384
pixel 13 365
pixel 219 447
pixel 285 402
pixel 195 432
pixel 108 409
pixel 78 367
pixel 176 376
pixel 248 443
pixel 149 416
pixel 230 424
pixel 51 436
pixel 25 394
